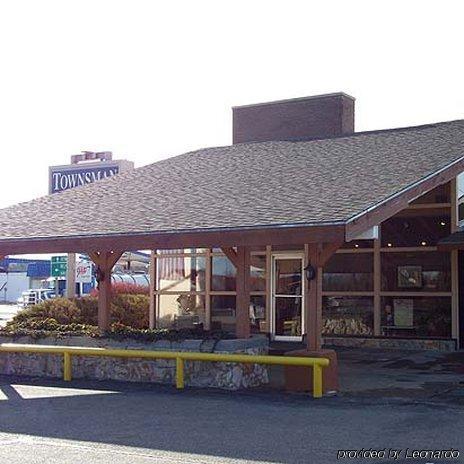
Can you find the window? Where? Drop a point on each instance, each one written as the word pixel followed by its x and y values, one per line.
pixel 349 272
pixel 181 273
pixel 223 274
pixel 416 271
pixel 416 317
pixel 415 231
pixel 180 311
pixel 348 315
pixel 258 273
pixel 223 313
pixel 258 314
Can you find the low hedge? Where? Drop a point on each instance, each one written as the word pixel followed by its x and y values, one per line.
pixel 62 317
pixel 128 310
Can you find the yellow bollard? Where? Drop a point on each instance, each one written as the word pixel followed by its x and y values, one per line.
pixel 179 373
pixel 317 381
pixel 67 367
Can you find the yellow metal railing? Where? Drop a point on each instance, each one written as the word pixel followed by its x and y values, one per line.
pixel 180 356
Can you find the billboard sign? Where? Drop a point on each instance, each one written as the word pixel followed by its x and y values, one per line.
pixel 84 272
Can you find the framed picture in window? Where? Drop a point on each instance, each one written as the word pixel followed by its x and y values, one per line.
pixel 409 276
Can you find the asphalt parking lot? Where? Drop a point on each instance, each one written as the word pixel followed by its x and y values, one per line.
pixel 45 421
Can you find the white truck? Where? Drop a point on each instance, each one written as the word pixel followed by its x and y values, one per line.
pixel 34 296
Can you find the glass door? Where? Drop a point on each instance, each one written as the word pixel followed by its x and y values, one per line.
pixel 287 297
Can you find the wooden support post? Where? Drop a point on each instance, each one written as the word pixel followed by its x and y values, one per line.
pixel 243 293
pixel 317 255
pixel 153 296
pixel 104 260
pixel 71 276
pixel 454 263
pixel 377 287
pixel 208 275
pixel 311 301
pixel 268 288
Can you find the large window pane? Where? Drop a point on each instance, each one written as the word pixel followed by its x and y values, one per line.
pixel 258 314
pixel 258 273
pixel 415 231
pixel 349 272
pixel 348 315
pixel 181 311
pixel 288 316
pixel 419 271
pixel 288 275
pixel 181 273
pixel 223 274
pixel 416 317
pixel 223 313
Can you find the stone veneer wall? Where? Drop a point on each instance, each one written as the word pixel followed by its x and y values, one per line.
pixel 228 376
pixel 393 343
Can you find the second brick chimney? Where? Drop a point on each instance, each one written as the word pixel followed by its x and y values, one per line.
pixel 305 118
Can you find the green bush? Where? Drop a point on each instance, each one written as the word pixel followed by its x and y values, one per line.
pixel 62 310
pixel 62 317
pixel 128 310
pixel 88 307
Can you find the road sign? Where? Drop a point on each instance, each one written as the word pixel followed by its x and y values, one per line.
pixel 59 266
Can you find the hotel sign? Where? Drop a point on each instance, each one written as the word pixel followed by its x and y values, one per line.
pixel 74 175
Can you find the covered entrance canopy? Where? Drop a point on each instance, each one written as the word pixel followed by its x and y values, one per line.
pixel 317 193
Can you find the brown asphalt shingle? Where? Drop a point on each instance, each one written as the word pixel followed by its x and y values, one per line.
pixel 245 185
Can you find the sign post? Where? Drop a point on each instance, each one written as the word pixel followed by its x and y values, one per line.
pixel 85 168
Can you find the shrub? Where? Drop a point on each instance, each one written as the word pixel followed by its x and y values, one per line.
pixel 130 310
pixel 50 328
pixel 88 307
pixel 125 288
pixel 62 310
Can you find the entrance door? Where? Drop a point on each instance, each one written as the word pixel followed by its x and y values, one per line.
pixel 287 297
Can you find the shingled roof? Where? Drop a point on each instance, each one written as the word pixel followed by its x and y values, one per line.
pixel 256 185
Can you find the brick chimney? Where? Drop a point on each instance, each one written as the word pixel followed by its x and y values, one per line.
pixel 304 118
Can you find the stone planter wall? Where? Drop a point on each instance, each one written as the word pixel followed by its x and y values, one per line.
pixel 391 343
pixel 229 376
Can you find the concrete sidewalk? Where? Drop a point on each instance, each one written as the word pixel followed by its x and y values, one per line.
pixel 422 376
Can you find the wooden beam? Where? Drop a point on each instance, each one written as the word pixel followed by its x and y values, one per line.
pixel 377 285
pixel 454 262
pixel 326 252
pixel 71 276
pixel 268 288
pixel 153 296
pixel 231 255
pixel 242 306
pixel 310 300
pixel 151 241
pixel 399 202
pixel 104 260
pixel 317 255
pixel 208 275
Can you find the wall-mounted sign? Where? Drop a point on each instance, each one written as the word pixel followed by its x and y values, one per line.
pixel 84 272
pixel 66 177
